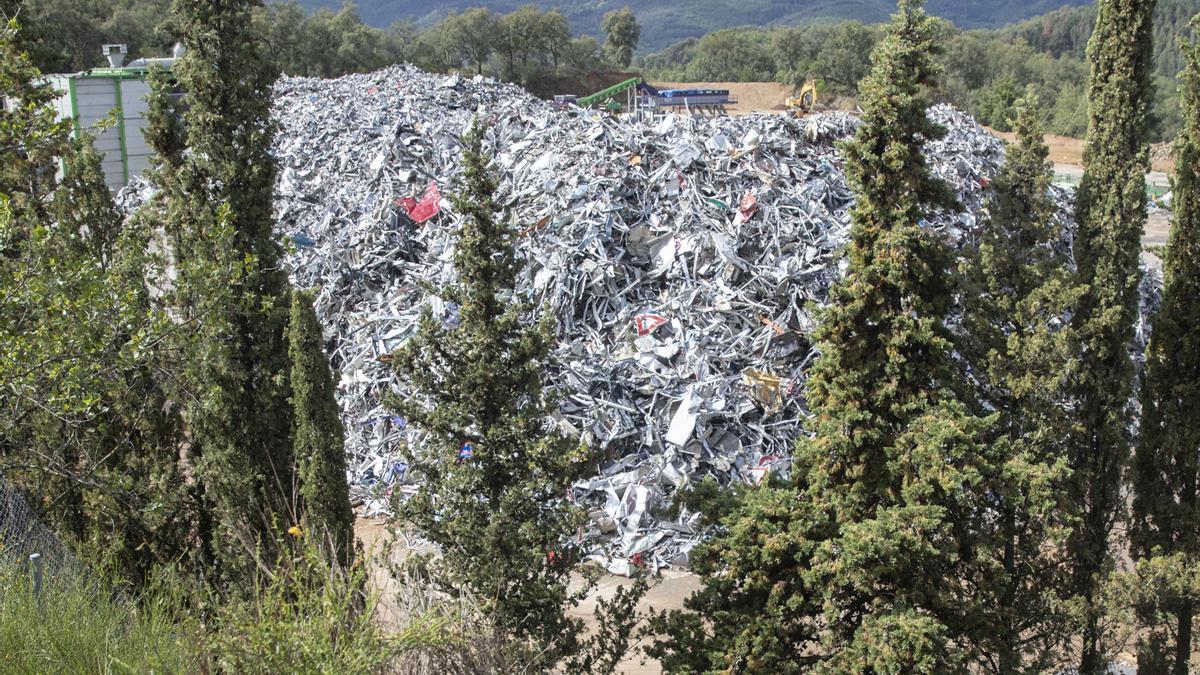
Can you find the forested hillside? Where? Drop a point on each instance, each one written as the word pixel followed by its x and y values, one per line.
pixel 986 70
pixel 1066 31
pixel 667 21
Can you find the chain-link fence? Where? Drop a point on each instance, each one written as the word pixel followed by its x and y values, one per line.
pixel 22 535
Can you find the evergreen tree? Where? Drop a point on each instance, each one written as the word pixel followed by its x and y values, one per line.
pixel 1166 467
pixel 83 204
pixel 1111 210
pixel 859 566
pixel 229 287
pixel 164 122
pixel 1014 338
pixel 495 473
pixel 319 446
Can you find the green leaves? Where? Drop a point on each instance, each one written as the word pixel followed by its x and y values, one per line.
pixel 623 33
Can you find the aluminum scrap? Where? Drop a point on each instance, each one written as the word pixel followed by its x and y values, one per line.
pixel 683 258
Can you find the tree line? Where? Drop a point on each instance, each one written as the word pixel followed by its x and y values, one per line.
pixel 985 72
pixel 65 36
pixel 958 504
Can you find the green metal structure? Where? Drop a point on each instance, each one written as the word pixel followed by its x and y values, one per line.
pixel 609 94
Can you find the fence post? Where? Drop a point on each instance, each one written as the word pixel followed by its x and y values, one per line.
pixel 35 562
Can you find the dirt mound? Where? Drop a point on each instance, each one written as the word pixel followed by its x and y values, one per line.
pixel 580 84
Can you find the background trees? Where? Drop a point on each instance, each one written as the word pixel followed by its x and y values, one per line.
pixel 623 33
pixel 985 70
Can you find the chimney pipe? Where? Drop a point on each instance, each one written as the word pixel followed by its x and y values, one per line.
pixel 115 54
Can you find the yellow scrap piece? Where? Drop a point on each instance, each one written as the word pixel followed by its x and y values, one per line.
pixel 766 388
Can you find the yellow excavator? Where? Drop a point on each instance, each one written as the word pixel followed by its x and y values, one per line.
pixel 805 102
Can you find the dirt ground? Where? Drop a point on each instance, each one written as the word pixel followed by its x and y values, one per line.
pixel 1067 150
pixel 668 591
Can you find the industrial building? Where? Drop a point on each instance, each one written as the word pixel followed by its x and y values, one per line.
pixel 118 91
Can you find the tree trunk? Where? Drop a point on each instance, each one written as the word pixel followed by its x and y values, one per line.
pixel 1092 661
pixel 1183 638
pixel 1009 657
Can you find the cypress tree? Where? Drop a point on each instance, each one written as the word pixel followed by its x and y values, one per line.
pixel 1166 467
pixel 494 471
pixel 1014 338
pixel 230 286
pixel 318 438
pixel 895 468
pixel 859 566
pixel 84 206
pixel 1110 210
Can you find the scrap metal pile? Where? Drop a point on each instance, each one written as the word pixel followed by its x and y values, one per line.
pixel 682 257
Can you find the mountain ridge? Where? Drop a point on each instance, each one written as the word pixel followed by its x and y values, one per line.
pixel 667 21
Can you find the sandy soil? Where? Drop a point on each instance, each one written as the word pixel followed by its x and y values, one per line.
pixel 668 591
pixel 1067 150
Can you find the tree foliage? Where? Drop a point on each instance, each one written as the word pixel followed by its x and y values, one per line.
pixel 82 419
pixel 896 477
pixel 1019 348
pixel 1166 468
pixel 1110 210
pixel 318 443
pixel 622 33
pixel 495 474
pixel 222 278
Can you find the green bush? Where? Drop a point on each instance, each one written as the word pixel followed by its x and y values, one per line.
pixel 78 628
pixel 305 616
pixel 300 616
